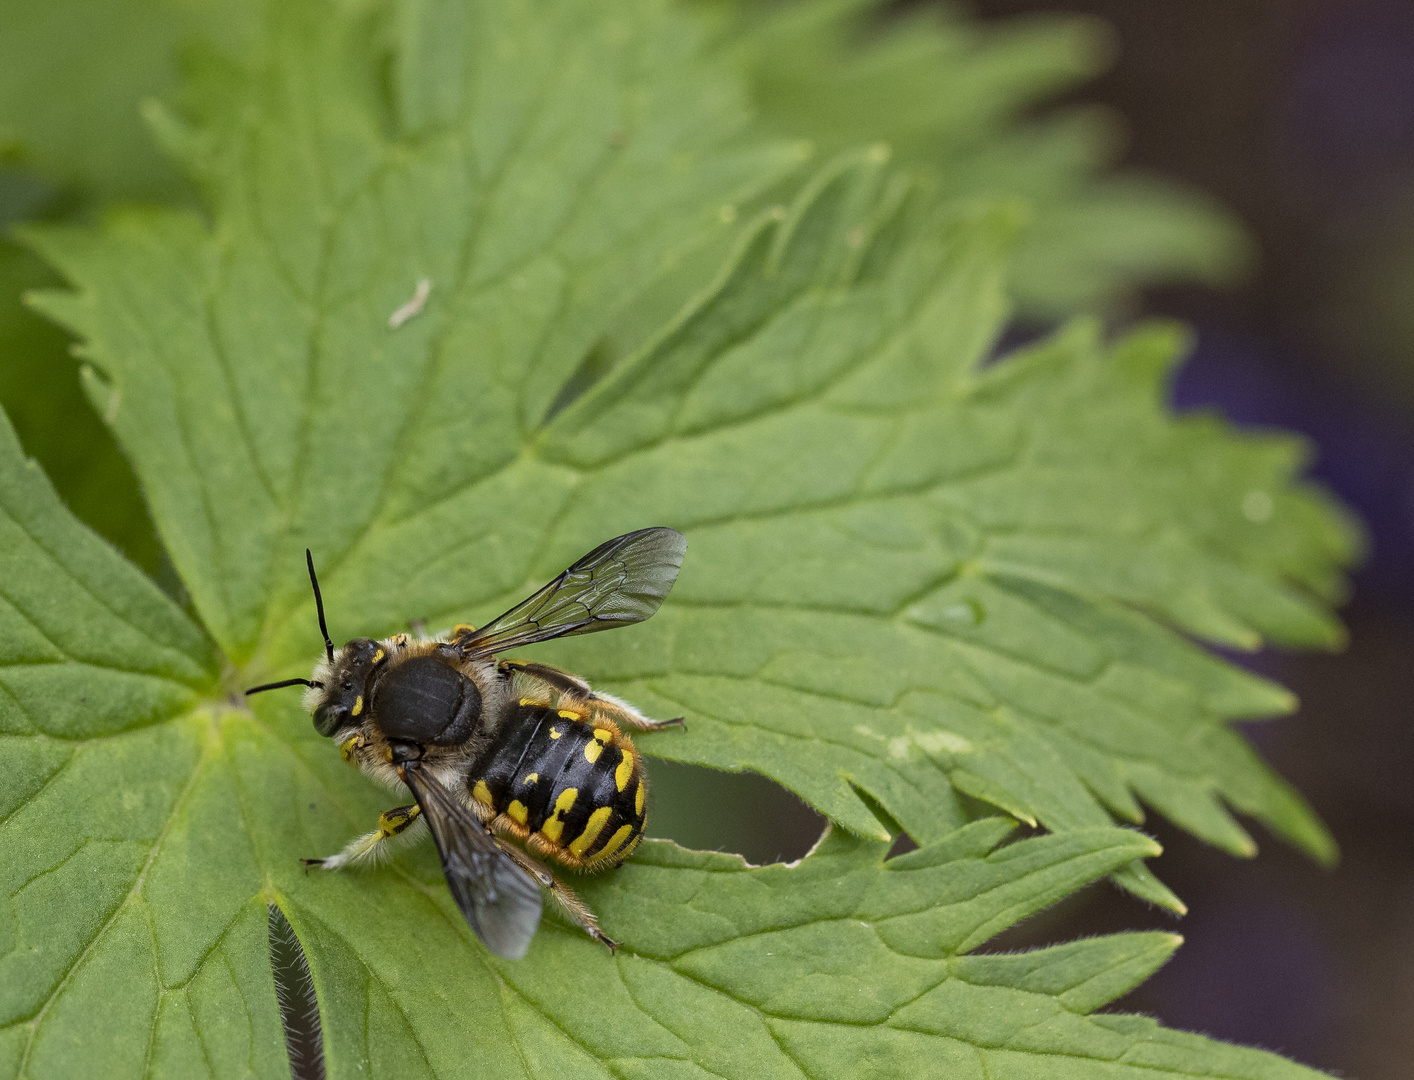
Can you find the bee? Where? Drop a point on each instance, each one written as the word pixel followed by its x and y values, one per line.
pixel 510 763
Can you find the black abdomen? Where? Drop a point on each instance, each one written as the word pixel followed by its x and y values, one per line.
pixel 574 786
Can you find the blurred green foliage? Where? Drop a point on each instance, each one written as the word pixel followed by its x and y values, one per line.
pixel 967 102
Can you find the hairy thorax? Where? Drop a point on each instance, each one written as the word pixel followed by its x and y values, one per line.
pixel 363 742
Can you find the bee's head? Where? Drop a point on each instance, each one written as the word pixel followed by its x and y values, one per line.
pixel 341 696
pixel 337 693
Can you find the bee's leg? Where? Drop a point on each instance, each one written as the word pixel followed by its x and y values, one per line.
pixel 625 715
pixel 390 824
pixel 606 705
pixel 560 681
pixel 569 901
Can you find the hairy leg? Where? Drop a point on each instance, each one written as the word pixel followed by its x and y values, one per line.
pixel 606 705
pixel 391 823
pixel 567 898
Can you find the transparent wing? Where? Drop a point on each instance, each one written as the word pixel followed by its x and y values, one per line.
pixel 499 899
pixel 620 582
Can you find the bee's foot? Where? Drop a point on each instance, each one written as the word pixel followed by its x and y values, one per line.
pixel 313 862
pixel 608 942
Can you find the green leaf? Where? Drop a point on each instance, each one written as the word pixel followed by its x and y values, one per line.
pixel 958 98
pixel 75 76
pixel 936 587
pixel 534 237
pixel 840 962
pixel 933 588
pixel 914 573
pixel 92 648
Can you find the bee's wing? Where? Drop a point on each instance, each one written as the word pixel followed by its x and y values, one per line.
pixel 620 582
pixel 499 899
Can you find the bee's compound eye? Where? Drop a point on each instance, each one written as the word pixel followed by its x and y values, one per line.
pixel 329 718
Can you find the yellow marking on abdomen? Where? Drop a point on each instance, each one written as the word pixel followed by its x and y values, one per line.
pixel 615 842
pixel 592 828
pixel 638 800
pixel 378 656
pixel 624 773
pixel 570 714
pixel 554 824
pixel 530 778
pixel 554 733
pixel 592 751
pixel 358 706
pixel 482 794
pixel 516 811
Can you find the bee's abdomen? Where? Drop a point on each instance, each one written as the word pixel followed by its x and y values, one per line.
pixel 574 787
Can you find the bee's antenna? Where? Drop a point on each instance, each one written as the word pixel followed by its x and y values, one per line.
pixel 319 604
pixel 284 683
